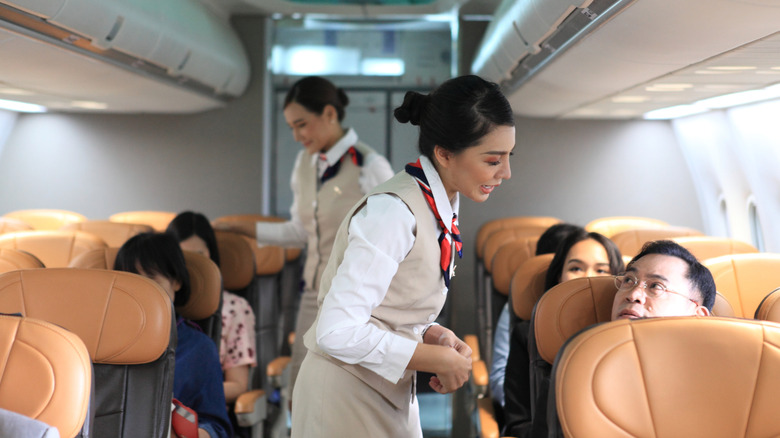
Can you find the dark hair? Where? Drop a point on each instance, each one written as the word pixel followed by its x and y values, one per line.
pixel 187 224
pixel 156 253
pixel 457 114
pixel 556 265
pixel 698 274
pixel 315 93
pixel 552 237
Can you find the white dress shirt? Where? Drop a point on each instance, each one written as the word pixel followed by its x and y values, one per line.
pixel 375 169
pixel 381 234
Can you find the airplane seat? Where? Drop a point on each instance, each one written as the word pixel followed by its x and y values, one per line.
pixel 126 323
pixel 707 247
pixel 47 376
pixel 630 242
pixel 656 377
pixel 768 310
pixel 115 234
pixel 13 259
pixel 494 300
pixel 9 225
pixel 205 304
pixel 563 311
pixel 290 281
pixel 56 249
pixel 46 219
pixel 158 220
pixel 745 279
pixel 609 226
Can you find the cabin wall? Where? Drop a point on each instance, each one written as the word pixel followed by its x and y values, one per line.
pixel 734 156
pixel 101 164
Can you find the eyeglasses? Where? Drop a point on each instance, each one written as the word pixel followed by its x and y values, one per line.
pixel 653 290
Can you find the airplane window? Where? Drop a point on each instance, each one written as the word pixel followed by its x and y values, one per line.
pixel 725 228
pixel 755 226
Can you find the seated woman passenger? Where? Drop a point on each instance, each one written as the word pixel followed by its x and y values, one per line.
pixel 581 254
pixel 237 348
pixel 197 381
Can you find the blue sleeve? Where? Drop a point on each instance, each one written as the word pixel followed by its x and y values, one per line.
pixel 500 354
pixel 198 381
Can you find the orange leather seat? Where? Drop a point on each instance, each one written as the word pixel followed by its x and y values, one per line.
pixel 13 259
pixel 707 247
pixel 630 242
pixel 158 220
pixel 508 259
pixel 47 374
pixel 745 279
pixel 113 233
pixel 769 309
pixel 9 225
pixel 670 377
pixel 562 312
pixel 55 249
pixel 527 285
pixel 46 219
pixel 126 323
pixel 609 226
pixel 488 228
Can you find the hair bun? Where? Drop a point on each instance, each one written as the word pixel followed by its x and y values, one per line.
pixel 412 108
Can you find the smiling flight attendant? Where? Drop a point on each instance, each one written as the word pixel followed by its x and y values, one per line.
pixel 332 172
pixel 389 273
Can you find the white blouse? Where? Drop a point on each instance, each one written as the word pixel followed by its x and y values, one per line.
pixel 376 169
pixel 381 234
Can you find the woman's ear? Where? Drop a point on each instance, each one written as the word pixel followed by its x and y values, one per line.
pixel 330 114
pixel 442 156
pixel 176 285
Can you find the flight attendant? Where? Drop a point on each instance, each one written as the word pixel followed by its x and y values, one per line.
pixel 389 272
pixel 332 172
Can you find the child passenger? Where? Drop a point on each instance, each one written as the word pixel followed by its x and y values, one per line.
pixel 197 381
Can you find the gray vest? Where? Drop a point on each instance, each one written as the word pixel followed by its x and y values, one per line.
pixel 416 294
pixel 322 210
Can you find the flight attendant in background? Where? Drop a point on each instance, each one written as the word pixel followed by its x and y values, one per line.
pixel 389 273
pixel 332 172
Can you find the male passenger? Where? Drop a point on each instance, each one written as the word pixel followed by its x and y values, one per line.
pixel 664 279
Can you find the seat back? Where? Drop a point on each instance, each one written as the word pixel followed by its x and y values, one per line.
pixel 56 249
pixel 205 304
pixel 508 259
pixel 289 282
pixel 671 377
pixel 630 242
pixel 563 311
pixel 13 259
pixel 46 219
pixel 47 374
pixel 488 228
pixel 527 285
pixel 609 226
pixel 769 310
pixel 745 279
pixel 9 225
pixel 126 323
pixel 707 247
pixel 113 233
pixel 158 220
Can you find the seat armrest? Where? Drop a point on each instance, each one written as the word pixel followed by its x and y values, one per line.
pixel 479 376
pixel 277 366
pixel 251 408
pixel 487 420
pixel 473 342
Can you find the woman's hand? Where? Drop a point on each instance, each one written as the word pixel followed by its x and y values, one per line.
pixel 455 360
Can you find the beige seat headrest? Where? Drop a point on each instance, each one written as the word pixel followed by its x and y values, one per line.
pixel 56 249
pixel 609 226
pixel 745 279
pixel 630 242
pixel 115 234
pixel 527 285
pixel 46 219
pixel 13 259
pixel 508 259
pixel 500 238
pixel 707 247
pixel 236 260
pixel 158 220
pixel 205 287
pixel 46 373
pixel 490 227
pixel 122 318
pixel 671 377
pixel 9 225
pixel 266 256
